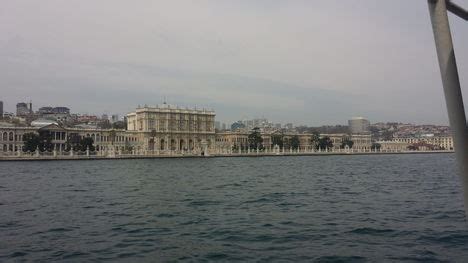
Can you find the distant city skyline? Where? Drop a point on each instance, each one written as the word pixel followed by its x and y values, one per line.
pixel 114 116
pixel 304 62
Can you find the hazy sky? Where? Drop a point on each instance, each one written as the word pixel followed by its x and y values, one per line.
pixel 308 62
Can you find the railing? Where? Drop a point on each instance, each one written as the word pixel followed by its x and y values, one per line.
pixel 181 153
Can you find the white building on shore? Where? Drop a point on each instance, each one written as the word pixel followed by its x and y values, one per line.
pixel 171 128
pixel 444 142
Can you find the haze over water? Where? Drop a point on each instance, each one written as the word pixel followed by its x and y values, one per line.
pixel 349 208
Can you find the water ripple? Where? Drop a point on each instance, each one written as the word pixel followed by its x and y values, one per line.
pixel 289 209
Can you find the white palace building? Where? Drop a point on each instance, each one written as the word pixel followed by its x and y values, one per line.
pixel 175 129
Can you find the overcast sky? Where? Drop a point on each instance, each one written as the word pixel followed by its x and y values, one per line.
pixel 307 62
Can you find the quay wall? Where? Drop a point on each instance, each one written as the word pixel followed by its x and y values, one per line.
pixel 225 155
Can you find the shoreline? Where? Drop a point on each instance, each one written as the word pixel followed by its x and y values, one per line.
pixel 251 155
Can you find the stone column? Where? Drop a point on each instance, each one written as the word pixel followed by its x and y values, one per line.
pixel 167 143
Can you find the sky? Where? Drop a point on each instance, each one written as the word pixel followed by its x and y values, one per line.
pixel 307 62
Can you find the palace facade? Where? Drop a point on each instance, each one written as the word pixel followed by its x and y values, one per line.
pixel 105 140
pixel 239 139
pixel 168 128
pixel 442 142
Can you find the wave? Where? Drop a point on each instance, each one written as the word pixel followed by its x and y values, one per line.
pixel 371 231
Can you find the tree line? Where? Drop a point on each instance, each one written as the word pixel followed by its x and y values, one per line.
pixel 255 141
pixel 43 141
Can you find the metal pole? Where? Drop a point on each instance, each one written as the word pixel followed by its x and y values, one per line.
pixel 451 84
pixel 457 10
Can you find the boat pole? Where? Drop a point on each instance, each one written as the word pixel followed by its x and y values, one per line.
pixel 451 85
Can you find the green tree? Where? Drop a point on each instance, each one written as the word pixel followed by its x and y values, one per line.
pixel 277 139
pixel 376 146
pixel 315 139
pixel 235 148
pixel 87 143
pixel 325 142
pixel 294 142
pixel 45 141
pixel 255 139
pixel 31 141
pixel 347 142
pixel 73 142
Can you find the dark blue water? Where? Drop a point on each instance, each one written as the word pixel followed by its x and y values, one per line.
pixel 324 209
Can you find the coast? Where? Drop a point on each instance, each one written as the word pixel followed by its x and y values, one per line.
pixel 220 155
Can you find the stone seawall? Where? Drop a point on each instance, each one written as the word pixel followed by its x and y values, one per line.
pixel 130 156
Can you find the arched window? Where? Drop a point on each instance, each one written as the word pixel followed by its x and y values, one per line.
pixel 10 137
pixel 181 145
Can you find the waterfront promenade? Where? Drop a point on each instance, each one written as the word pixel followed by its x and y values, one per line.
pixel 36 156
